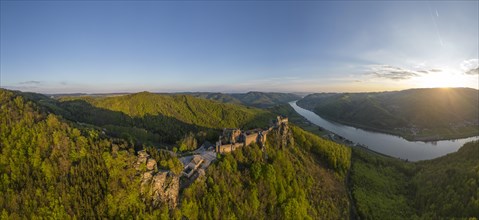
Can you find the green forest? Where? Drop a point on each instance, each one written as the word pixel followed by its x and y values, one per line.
pixel 280 183
pixel 63 159
pixel 147 118
pixel 52 169
pixel 254 99
pixel 445 187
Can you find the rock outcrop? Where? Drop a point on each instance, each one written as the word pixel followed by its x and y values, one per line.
pixel 158 187
pixel 281 134
pixel 285 135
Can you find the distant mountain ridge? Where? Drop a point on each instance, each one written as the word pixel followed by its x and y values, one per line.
pixel 255 99
pixel 252 98
pixel 416 114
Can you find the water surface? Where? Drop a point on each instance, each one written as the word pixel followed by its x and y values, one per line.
pixel 388 144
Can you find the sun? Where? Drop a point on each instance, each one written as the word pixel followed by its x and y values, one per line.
pixel 442 80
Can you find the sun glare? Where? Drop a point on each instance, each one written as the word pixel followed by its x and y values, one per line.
pixel 442 80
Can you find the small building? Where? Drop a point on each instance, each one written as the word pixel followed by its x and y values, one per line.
pixel 191 167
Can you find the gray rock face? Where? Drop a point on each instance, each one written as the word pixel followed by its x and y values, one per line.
pixel 151 164
pixel 142 158
pixel 165 188
pixel 158 188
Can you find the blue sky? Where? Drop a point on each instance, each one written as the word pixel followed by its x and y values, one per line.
pixel 234 46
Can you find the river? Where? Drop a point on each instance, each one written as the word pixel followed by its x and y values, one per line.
pixel 385 143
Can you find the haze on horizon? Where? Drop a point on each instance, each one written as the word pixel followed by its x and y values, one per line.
pixel 233 46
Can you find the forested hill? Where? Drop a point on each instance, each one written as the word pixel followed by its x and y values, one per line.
pixel 255 99
pixel 147 117
pixel 184 108
pixel 416 114
pixel 54 169
pixel 302 179
pixel 443 188
pixel 58 169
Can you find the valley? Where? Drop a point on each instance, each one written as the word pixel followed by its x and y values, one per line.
pixel 386 144
pixel 416 114
pixel 253 99
pixel 172 162
pixel 239 110
pixel 385 187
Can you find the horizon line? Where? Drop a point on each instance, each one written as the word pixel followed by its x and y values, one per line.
pixel 221 92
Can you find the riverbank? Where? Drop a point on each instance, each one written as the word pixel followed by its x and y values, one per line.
pixel 432 136
pixel 305 124
pixel 413 133
pixel 384 143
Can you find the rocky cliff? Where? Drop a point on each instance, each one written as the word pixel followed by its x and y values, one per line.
pixel 281 135
pixel 158 187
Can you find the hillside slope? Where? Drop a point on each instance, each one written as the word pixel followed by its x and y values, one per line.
pixel 389 188
pixel 146 117
pixel 54 168
pixel 416 114
pixel 449 186
pixel 184 108
pixel 254 99
pixel 442 188
pixel 302 180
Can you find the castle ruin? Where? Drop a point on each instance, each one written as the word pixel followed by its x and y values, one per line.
pixel 233 138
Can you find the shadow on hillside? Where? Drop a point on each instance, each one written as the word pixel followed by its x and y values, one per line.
pixel 148 128
pixel 154 129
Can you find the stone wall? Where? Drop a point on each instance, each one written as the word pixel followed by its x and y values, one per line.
pixel 226 148
pixel 237 146
pixel 250 139
pixel 263 136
